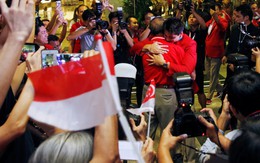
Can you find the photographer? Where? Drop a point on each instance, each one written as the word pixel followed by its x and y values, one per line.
pixel 242 100
pixel 87 32
pixel 239 35
pixel 198 33
pixel 123 40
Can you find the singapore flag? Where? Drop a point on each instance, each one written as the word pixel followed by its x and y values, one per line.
pixel 75 95
pixel 148 102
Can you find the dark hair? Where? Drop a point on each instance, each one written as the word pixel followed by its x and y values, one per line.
pixel 243 91
pixel 112 15
pixel 173 25
pixel 53 38
pixel 38 24
pixel 127 20
pixel 88 14
pixel 246 147
pixel 147 12
pixel 245 10
pixel 156 25
pixel 219 5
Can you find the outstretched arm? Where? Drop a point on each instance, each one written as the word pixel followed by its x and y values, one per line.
pixel 213 133
pixel 198 17
pixel 168 142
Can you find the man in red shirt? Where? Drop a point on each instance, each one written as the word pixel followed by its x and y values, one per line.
pixel 165 97
pixel 75 44
pixel 183 59
pixel 217 27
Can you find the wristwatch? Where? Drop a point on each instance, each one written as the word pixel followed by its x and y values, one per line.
pixel 165 65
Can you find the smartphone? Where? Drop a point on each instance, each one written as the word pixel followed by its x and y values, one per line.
pixel 28 48
pixel 58 6
pixel 49 58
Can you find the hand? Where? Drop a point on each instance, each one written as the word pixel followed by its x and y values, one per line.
pixel 158 48
pixel 256 52
pixel 157 60
pixel 90 53
pixel 225 107
pixel 65 22
pixel 124 31
pixel 115 27
pixel 192 8
pixel 231 67
pixel 33 60
pixel 140 130
pixel 147 151
pixel 212 12
pixel 59 20
pixel 180 6
pixel 19 17
pixel 168 141
pixel 193 75
pixel 211 132
pixel 224 60
pixel 106 5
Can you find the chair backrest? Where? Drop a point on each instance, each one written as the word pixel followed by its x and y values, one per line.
pixel 125 70
pixel 125 74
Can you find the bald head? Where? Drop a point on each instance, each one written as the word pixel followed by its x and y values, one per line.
pixel 156 26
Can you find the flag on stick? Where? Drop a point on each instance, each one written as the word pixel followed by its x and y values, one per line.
pixel 74 95
pixel 148 102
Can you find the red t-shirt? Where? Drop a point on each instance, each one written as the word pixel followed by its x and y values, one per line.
pixel 158 73
pixel 76 48
pixel 215 40
pixel 189 60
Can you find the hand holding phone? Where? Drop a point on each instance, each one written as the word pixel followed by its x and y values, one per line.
pixel 28 48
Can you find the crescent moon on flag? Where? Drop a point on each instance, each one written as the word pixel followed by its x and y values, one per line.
pixel 152 90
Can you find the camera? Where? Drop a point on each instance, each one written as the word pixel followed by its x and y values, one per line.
pixel 253 42
pixel 239 61
pixel 187 5
pixel 101 24
pixel 98 10
pixel 185 121
pixel 122 25
pixel 183 89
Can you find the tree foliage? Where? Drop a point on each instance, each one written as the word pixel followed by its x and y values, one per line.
pixel 141 6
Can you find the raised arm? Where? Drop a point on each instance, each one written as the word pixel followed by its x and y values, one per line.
pixel 57 24
pixel 53 19
pixel 19 19
pixel 106 141
pixel 198 17
pixel 76 34
pixel 63 31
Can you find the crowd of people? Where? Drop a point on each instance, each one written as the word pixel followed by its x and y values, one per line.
pixel 159 48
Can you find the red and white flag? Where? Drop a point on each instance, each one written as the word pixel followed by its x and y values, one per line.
pixel 148 102
pixel 75 95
